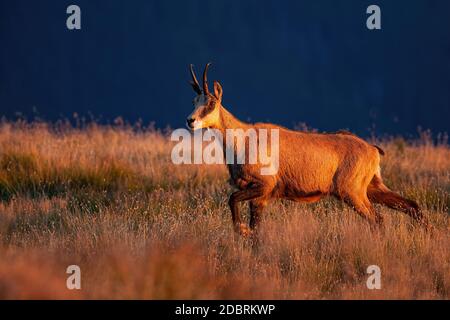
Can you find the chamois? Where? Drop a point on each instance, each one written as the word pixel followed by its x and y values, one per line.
pixel 311 166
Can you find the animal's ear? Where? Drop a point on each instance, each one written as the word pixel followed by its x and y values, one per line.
pixel 217 90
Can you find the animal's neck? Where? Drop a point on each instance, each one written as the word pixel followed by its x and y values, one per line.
pixel 228 121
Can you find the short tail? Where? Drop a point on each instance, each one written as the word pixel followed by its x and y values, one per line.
pixel 381 151
pixel 377 192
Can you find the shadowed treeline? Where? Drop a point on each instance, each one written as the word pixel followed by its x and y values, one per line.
pixel 284 61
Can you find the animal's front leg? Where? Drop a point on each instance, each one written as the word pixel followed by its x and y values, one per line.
pixel 256 208
pixel 252 192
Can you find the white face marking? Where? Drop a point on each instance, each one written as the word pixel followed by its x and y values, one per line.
pixel 198 124
pixel 200 102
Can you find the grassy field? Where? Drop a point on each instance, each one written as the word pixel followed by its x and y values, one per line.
pixel 110 200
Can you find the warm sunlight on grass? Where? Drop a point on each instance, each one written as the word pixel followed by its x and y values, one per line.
pixel 109 199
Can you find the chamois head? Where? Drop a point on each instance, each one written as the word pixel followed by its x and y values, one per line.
pixel 206 112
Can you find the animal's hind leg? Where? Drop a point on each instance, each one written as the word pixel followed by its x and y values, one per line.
pixel 364 208
pixel 379 193
pixel 369 206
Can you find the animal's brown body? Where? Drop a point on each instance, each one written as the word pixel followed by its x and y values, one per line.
pixel 311 166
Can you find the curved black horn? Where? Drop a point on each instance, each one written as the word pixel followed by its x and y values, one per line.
pixel 205 80
pixel 194 83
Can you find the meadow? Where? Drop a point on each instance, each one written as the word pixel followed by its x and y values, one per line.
pixel 109 199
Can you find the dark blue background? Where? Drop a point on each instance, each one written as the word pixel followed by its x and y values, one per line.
pixel 283 61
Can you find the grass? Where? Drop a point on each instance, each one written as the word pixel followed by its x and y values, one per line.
pixel 108 198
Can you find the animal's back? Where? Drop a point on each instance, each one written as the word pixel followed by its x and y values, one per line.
pixel 311 163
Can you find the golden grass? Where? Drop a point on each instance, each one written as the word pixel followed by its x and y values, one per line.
pixel 110 200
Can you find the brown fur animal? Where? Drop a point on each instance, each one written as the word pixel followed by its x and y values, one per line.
pixel 311 166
